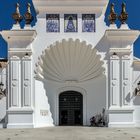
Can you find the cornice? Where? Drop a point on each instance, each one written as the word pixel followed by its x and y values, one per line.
pixel 121 37
pixel 19 38
pixel 123 34
pixel 69 6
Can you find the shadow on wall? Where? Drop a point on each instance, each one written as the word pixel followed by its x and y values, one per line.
pixel 136 100
pixel 50 102
pixel 3 111
pixel 7 22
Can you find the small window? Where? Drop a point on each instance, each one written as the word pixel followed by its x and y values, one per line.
pixel 88 22
pixel 70 23
pixel 52 23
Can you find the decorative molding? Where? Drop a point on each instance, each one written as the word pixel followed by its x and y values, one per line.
pixel 67 6
pixel 69 60
pixel 121 110
pixel 124 35
pixel 19 52
pixel 120 51
pixel 19 38
pixel 20 111
pixel 14 57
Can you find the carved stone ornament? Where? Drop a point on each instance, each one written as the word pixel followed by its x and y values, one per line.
pixel 112 16
pixel 2 94
pixel 3 63
pixel 2 91
pixel 124 16
pixel 17 16
pixel 137 89
pixel 69 61
pixel 137 92
pixel 28 16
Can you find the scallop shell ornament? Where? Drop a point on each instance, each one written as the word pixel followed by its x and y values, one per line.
pixel 69 60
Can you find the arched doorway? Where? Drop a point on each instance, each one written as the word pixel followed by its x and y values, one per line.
pixel 70 108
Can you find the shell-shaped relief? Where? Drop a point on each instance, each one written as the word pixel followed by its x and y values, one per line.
pixel 69 60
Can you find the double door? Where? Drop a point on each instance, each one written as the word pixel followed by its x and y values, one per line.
pixel 70 108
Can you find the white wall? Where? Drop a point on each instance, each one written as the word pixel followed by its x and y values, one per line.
pixel 136 99
pixel 47 92
pixel 47 99
pixel 43 115
pixel 45 39
pixel 2 108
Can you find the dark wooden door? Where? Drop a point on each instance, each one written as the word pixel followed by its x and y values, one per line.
pixel 70 108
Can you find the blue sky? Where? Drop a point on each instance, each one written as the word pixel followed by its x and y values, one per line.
pixel 7 7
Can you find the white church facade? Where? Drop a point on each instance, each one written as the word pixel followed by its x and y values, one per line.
pixel 70 66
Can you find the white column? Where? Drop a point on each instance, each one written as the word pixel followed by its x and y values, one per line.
pixel 120 111
pixel 14 82
pixel 126 92
pixel 114 81
pixel 26 81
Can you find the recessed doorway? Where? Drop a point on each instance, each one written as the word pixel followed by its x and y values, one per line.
pixel 70 108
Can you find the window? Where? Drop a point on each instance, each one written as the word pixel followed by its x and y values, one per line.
pixel 88 22
pixel 52 23
pixel 70 23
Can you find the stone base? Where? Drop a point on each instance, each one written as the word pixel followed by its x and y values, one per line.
pixel 121 117
pixel 137 124
pixel 24 125
pixel 121 124
pixel 1 125
pixel 20 118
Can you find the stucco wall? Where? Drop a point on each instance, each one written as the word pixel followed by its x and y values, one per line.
pixel 94 94
pixel 47 92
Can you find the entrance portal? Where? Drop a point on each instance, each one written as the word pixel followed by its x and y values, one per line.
pixel 70 108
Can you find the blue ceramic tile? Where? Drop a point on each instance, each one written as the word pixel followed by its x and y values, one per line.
pixel 88 22
pixel 52 23
pixel 70 23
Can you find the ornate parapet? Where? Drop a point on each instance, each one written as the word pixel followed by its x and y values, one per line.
pixel 70 6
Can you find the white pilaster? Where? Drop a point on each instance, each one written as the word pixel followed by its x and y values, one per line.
pixel 26 81
pixel 14 82
pixel 121 109
pixel 20 112
pixel 114 81
pixel 126 92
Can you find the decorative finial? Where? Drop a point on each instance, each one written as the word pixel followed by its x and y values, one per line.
pixel 3 63
pixel 112 16
pixel 16 16
pixel 28 16
pixel 124 16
